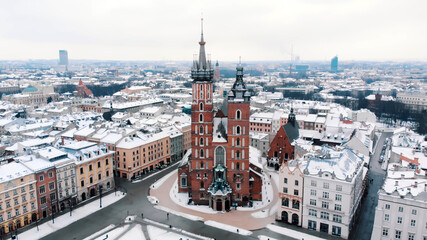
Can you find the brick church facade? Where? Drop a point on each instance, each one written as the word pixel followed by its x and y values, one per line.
pixel 281 148
pixel 217 171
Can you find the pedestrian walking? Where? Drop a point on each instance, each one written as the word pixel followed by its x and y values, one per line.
pixel 142 215
pixel 167 215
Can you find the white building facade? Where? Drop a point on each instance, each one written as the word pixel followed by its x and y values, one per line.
pixel 333 189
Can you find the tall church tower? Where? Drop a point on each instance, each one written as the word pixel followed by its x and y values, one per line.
pixel 238 138
pixel 218 172
pixel 201 162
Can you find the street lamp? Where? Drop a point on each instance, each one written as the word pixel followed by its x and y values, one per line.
pixel 100 196
pixel 71 207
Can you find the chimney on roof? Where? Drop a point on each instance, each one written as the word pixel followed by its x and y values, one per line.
pixel 416 184
pixel 402 176
pixel 396 183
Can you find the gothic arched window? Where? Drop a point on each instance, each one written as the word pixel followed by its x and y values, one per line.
pixel 201 117
pixel 220 156
pixel 201 107
pixel 238 130
pixel 202 153
pixel 238 114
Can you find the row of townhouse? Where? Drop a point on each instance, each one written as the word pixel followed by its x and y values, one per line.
pixel 125 139
pixel 37 185
pixel 401 212
pixel 322 191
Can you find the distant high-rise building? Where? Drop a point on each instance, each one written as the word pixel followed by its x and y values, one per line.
pixel 216 72
pixel 334 64
pixel 63 57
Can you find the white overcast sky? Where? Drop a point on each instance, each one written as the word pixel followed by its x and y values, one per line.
pixel 255 30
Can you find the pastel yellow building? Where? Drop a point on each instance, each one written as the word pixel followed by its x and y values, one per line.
pixel 94 165
pixel 18 197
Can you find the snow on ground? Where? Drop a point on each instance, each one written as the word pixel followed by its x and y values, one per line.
pixel 182 200
pixel 152 199
pixel 65 219
pixel 229 228
pixel 255 157
pixel 160 234
pixel 159 183
pixel 292 233
pixel 104 230
pixel 263 237
pixel 185 215
pixel 115 233
pixel 121 232
pixel 267 195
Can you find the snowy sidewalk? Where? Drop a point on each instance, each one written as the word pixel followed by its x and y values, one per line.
pixel 292 233
pixel 65 219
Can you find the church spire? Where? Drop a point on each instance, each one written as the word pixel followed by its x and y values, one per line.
pixel 202 54
pixel 202 69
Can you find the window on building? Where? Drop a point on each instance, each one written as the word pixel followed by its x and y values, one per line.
pixel 238 114
pixel 51 174
pixel 337 207
pixel 326 185
pixel 400 209
pixel 338 197
pixel 81 170
pixel 411 236
pixel 82 183
pixel 385 231
pixel 42 189
pixel 414 211
pixel 43 200
pixel 51 185
pixel 90 167
pixel 336 230
pixel 285 180
pixel 313 183
pixel 398 234
pixel 285 202
pixel 325 195
pixel 313 192
pixel 200 117
pixel 399 220
pixel 313 202
pixel 386 217
pixel 285 190
pixel 41 178
pixel 296 192
pixel 324 215
pixel 312 212
pixel 325 205
pixel 296 182
pixel 201 107
pixel 412 222
pixel 337 218
pixel 387 206
pixel 238 130
pixel 339 187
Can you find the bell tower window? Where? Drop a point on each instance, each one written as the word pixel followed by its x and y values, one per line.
pixel 238 114
pixel 201 118
pixel 238 130
pixel 201 107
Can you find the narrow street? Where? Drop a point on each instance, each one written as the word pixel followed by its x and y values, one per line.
pixel 365 223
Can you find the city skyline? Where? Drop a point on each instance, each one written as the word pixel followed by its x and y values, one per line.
pixel 257 31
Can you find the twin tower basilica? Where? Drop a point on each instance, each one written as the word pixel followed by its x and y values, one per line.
pixel 217 170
